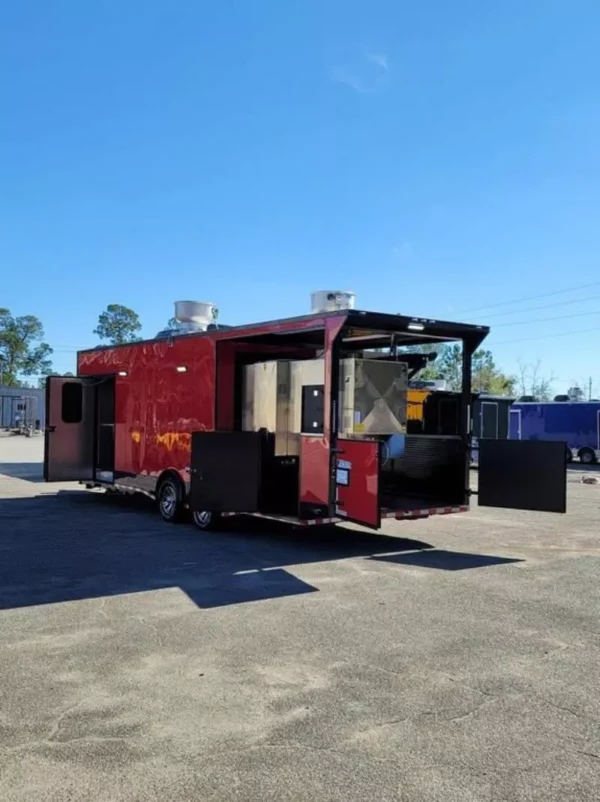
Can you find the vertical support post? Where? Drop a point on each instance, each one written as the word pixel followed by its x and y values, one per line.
pixel 466 413
pixel 333 328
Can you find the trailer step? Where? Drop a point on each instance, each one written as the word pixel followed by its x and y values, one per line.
pixel 398 515
pixel 425 512
pixel 286 519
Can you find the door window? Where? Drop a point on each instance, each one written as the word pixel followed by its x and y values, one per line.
pixel 72 402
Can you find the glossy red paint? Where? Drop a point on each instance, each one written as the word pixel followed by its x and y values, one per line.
pixel 315 452
pixel 288 326
pixel 357 486
pixel 314 471
pixel 157 407
pixel 225 380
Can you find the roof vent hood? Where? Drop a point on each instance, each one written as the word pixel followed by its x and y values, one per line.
pixel 190 317
pixel 331 300
pixel 194 315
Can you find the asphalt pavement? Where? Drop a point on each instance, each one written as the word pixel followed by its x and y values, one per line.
pixel 451 659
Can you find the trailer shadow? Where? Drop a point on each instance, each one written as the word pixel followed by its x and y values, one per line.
pixel 579 467
pixel 446 560
pixel 76 545
pixel 28 471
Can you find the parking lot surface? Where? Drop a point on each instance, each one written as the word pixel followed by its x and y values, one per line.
pixel 452 659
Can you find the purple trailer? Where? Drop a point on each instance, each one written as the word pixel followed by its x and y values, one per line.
pixel 576 423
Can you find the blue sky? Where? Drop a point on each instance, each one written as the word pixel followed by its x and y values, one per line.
pixel 433 157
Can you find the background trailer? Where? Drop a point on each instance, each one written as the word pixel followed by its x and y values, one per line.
pixel 574 423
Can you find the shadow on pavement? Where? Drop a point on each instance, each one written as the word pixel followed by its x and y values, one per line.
pixel 29 471
pixel 80 545
pixel 446 560
pixel 578 467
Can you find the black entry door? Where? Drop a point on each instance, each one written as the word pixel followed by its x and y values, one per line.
pixel 523 475
pixel 105 416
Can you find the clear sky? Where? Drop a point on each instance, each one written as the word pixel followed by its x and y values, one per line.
pixel 434 157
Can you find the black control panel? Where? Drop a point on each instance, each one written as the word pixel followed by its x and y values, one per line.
pixel 313 409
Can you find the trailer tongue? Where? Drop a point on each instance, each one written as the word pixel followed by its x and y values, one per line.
pixel 291 419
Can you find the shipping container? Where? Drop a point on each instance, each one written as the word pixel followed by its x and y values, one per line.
pixel 22 406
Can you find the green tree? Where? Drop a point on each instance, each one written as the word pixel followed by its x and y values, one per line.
pixel 22 349
pixel 118 324
pixel 172 324
pixel 449 364
pixel 486 377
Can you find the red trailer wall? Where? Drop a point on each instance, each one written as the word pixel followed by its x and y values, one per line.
pixel 156 407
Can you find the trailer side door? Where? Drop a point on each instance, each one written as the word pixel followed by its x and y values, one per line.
pixel 69 434
pixel 357 482
pixel 523 475
pixel 226 471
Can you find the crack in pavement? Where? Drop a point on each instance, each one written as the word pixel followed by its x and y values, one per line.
pixel 56 725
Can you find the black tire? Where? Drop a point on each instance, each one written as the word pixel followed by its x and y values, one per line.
pixel 206 520
pixel 587 456
pixel 169 497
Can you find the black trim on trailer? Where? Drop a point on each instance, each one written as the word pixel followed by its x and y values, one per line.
pixel 334 415
pixel 416 330
pixel 466 412
pixel 47 429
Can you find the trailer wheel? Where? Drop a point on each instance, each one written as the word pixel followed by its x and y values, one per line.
pixel 206 520
pixel 587 456
pixel 170 500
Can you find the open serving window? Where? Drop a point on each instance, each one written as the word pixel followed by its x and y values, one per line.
pixel 328 393
pixel 432 471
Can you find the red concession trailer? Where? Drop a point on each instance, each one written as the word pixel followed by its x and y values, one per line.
pixel 288 420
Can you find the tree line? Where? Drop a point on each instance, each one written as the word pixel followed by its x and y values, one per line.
pixel 486 376
pixel 24 353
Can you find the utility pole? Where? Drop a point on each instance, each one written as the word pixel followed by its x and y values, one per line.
pixel 590 389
